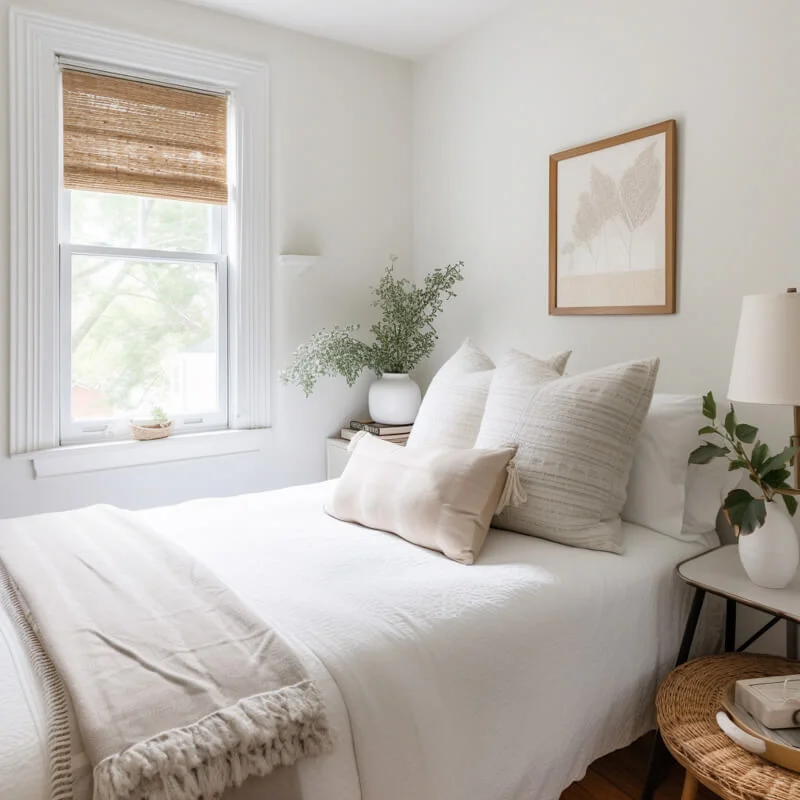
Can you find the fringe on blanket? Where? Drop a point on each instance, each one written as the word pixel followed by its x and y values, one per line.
pixel 59 733
pixel 201 760
pixel 221 750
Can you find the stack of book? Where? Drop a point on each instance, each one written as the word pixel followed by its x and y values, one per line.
pixel 389 433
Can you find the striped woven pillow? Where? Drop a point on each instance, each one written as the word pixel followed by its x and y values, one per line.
pixel 575 439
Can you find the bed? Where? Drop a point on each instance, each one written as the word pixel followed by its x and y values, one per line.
pixel 498 681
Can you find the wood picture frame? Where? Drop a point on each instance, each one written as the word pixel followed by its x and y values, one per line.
pixel 617 203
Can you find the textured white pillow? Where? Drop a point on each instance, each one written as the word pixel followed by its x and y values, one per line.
pixel 665 492
pixel 657 485
pixel 437 497
pixel 452 409
pixel 575 440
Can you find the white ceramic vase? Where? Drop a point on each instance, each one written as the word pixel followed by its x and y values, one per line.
pixel 394 399
pixel 770 554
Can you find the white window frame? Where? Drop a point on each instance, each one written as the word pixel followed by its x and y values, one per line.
pixel 77 431
pixel 37 41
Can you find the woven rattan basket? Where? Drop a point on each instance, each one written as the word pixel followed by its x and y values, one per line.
pixel 686 706
pixel 146 432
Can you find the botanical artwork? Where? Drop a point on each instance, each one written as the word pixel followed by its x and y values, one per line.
pixel 611 203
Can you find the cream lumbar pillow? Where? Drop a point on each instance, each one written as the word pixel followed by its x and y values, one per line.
pixel 575 439
pixel 437 497
pixel 452 409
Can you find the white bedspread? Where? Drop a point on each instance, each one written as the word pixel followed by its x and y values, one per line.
pixel 497 681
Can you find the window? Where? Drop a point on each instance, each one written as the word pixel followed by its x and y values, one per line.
pixel 138 280
pixel 143 276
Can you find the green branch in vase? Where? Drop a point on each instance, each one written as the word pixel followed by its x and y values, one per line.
pixel 770 473
pixel 403 336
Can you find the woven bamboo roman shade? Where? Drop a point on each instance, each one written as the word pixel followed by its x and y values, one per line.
pixel 131 137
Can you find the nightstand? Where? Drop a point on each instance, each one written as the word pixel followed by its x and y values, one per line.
pixel 336 456
pixel 720 572
pixel 686 708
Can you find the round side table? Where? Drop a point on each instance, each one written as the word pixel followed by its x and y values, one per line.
pixel 686 707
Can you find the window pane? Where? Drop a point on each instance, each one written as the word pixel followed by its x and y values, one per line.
pixel 143 334
pixel 123 220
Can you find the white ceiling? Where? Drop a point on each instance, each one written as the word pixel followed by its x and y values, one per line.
pixel 409 28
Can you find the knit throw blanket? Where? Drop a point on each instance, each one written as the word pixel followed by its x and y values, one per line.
pixel 178 690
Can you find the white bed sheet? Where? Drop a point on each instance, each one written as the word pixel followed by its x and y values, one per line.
pixel 498 681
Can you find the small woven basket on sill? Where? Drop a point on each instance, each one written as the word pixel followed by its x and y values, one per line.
pixel 146 432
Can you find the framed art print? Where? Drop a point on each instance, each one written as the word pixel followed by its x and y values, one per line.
pixel 612 225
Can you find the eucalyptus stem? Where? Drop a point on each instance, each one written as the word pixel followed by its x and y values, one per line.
pixel 742 453
pixel 403 336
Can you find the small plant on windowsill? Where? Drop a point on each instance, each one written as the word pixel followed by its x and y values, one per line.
pixel 159 426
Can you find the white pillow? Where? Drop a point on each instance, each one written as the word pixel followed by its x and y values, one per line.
pixel 452 409
pixel 707 486
pixel 575 438
pixel 657 485
pixel 665 492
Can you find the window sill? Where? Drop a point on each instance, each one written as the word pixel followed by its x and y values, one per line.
pixel 116 455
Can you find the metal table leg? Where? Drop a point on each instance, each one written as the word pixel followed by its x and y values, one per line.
pixel 660 759
pixel 791 640
pixel 730 625
pixel 691 626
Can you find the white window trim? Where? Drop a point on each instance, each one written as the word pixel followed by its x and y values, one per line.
pixel 36 42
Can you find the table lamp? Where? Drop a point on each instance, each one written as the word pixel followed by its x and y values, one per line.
pixel 765 370
pixel 766 360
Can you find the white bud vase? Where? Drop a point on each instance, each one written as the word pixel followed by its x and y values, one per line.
pixel 394 399
pixel 770 554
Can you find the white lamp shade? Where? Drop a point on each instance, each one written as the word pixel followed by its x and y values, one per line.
pixel 767 355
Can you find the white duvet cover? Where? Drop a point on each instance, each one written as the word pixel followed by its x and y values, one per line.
pixel 498 681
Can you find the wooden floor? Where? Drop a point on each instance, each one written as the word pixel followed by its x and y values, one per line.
pixel 620 776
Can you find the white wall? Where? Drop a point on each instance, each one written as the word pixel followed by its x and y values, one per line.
pixel 341 186
pixel 542 77
pixel 545 76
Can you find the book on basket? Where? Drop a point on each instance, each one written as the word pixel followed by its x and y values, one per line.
pixel 774 702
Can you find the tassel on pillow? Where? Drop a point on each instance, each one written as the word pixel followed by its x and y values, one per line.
pixel 513 494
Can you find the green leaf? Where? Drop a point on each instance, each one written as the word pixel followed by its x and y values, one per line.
pixel 745 512
pixel 775 478
pixel 778 461
pixel 737 463
pixel 759 455
pixel 706 452
pixel 709 406
pixel 706 429
pixel 746 433
pixel 791 503
pixel 730 422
